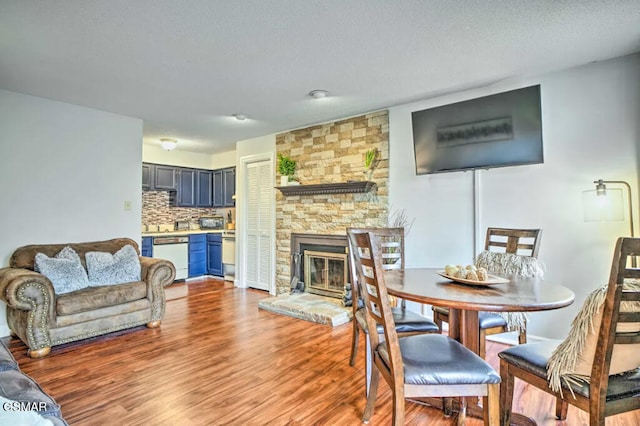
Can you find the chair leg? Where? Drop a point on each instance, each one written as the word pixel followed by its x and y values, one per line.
pixel 371 398
pixel 462 414
pixel 482 343
pixel 522 336
pixel 491 405
pixel 398 407
pixel 506 393
pixel 561 409
pixel 367 365
pixel 436 318
pixel 354 343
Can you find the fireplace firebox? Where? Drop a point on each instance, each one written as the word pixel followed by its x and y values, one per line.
pixel 319 264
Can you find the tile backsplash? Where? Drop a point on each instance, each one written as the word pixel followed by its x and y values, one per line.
pixel 156 210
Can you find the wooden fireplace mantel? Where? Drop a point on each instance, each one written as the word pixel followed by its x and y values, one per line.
pixel 328 188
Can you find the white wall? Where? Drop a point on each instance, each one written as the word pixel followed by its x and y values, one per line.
pixel 196 160
pixel 66 172
pixel 263 147
pixel 590 131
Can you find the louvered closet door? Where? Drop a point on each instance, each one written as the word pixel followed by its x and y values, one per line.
pixel 259 228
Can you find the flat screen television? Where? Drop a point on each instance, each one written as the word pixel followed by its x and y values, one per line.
pixel 500 130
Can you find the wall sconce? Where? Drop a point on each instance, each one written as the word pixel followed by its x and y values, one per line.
pixel 606 204
pixel 168 144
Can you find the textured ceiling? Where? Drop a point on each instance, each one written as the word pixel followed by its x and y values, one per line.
pixel 185 66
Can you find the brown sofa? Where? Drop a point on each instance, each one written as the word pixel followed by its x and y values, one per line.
pixel 42 319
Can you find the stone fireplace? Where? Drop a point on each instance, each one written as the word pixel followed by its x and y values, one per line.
pixel 329 153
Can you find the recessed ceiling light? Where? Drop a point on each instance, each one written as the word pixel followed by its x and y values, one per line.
pixel 240 117
pixel 318 94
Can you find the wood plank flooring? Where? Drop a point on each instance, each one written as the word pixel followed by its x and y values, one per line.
pixel 219 360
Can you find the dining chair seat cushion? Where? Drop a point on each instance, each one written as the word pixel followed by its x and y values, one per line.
pixel 490 320
pixel 434 359
pixel 406 322
pixel 533 357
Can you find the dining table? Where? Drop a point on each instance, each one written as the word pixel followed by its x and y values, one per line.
pixel 513 293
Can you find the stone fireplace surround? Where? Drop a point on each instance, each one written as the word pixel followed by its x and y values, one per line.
pixel 331 153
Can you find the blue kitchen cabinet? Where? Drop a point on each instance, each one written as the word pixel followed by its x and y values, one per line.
pixel 218 189
pixel 147 176
pixel 147 247
pixel 197 255
pixel 164 178
pixel 186 196
pixel 214 254
pixel 229 179
pixel 204 191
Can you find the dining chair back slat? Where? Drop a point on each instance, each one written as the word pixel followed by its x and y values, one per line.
pixel 525 242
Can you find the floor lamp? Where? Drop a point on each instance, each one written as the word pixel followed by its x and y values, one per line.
pixel 606 210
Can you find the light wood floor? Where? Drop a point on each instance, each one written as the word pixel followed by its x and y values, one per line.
pixel 219 360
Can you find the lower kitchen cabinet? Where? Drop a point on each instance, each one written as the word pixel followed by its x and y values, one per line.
pixel 214 254
pixel 147 247
pixel 197 255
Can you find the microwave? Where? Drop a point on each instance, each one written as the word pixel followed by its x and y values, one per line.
pixel 212 222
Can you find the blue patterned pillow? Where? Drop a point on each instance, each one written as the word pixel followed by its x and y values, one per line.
pixel 105 268
pixel 65 270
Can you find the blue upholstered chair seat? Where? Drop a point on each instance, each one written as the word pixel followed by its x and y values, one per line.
pixel 448 363
pixel 533 357
pixel 406 322
pixel 485 319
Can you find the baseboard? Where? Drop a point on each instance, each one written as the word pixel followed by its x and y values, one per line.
pixel 5 331
pixel 511 338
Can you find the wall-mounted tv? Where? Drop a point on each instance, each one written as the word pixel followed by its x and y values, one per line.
pixel 500 130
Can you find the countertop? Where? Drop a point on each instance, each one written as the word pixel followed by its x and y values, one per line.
pixel 187 232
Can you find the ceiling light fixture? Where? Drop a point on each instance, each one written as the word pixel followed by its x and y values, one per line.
pixel 318 94
pixel 168 144
pixel 240 117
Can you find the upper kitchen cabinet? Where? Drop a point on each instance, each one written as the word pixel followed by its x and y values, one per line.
pixel 157 177
pixel 147 176
pixel 186 196
pixel 204 179
pixel 229 178
pixel 224 187
pixel 164 178
pixel 218 189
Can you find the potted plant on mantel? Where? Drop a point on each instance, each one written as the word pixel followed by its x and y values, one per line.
pixel 286 168
pixel 370 158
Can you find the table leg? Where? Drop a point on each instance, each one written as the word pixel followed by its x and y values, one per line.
pixel 470 330
pixel 454 324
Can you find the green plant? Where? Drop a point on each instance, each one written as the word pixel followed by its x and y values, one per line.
pixel 286 166
pixel 370 157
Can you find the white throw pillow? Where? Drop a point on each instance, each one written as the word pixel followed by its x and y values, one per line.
pixel 105 268
pixel 65 270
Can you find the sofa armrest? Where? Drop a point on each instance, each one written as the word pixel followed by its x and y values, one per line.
pixel 31 305
pixel 157 273
pixel 25 289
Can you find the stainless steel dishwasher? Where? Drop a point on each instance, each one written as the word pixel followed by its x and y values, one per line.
pixel 175 250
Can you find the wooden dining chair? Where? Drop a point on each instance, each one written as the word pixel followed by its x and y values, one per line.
pixel 407 322
pixel 522 242
pixel 609 389
pixel 423 365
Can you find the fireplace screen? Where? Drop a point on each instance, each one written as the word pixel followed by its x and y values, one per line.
pixel 325 273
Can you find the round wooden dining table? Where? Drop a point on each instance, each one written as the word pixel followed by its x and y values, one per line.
pixel 424 285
